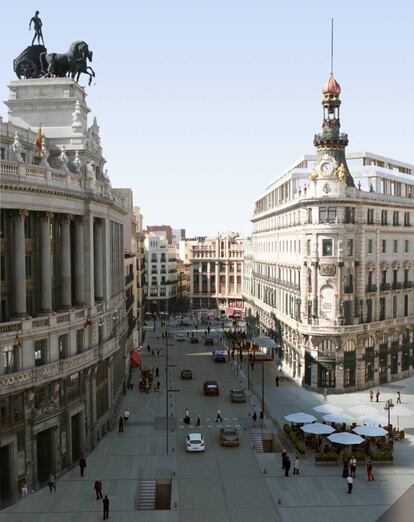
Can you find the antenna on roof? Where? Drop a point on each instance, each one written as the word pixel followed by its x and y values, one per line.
pixel 332 44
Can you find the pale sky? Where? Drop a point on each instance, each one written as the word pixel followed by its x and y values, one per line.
pixel 202 103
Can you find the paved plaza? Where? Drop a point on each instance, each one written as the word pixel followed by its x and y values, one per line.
pixel 224 484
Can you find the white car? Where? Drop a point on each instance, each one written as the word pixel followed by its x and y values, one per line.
pixel 195 442
pixel 180 337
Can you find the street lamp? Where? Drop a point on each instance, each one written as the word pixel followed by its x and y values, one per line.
pixel 388 406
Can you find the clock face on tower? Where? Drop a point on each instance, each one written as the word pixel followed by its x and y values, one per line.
pixel 327 166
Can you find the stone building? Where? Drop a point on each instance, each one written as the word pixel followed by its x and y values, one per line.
pixel 330 273
pixel 160 273
pixel 64 362
pixel 216 273
pixel 140 277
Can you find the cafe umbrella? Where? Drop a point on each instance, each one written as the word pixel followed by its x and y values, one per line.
pixel 338 418
pixel 317 429
pixel 300 418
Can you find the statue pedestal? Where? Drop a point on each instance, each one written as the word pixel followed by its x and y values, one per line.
pixel 50 103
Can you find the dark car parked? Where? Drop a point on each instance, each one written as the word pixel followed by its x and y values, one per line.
pixel 211 388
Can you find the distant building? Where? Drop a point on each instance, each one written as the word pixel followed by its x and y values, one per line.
pixel 166 229
pixel 160 273
pixel 140 278
pixel 216 272
pixel 178 234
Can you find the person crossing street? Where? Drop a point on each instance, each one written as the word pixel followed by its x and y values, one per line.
pixel 218 416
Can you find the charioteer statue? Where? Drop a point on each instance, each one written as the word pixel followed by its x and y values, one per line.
pixel 36 62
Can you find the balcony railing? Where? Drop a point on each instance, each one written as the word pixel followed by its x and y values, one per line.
pixel 396 286
pixel 385 286
pixel 348 289
pixel 371 288
pixel 408 284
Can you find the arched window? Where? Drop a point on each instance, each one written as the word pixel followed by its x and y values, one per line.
pixel 326 346
pixel 370 343
pixel 395 337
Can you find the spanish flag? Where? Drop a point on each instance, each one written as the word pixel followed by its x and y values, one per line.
pixel 38 142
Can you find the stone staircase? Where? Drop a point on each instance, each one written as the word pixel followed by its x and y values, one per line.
pixel 147 494
pixel 256 438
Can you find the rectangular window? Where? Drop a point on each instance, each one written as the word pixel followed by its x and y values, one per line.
pixel 394 306
pixel 384 277
pixel 326 247
pixel 395 246
pixel 370 243
pixel 384 246
pixel 349 247
pixel 2 225
pixel 79 341
pixel 63 341
pixel 40 352
pixel 384 217
pixel 9 359
pixel 349 215
pixel 2 268
pixel 383 310
pixel 28 227
pixel 396 218
pixel 2 153
pixel 405 305
pixel 28 266
pixel 406 219
pixel 370 216
pixel 323 214
pixel 406 246
pixel 331 214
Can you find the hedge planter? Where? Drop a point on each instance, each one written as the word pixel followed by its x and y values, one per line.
pixel 326 459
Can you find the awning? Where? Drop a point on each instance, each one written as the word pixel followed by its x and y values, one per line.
pixel 135 358
pixel 264 342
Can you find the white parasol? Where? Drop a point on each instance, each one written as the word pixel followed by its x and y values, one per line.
pixel 370 431
pixel 338 418
pixel 317 428
pixel 328 408
pixel 374 420
pixel 345 438
pixel 300 418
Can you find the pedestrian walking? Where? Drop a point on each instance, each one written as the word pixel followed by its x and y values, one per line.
pixel 105 507
pixel 254 417
pixel 82 465
pixel 277 381
pixel 296 466
pixel 284 455
pixel 98 488
pixel 398 397
pixel 352 466
pixel 287 466
pixel 51 482
pixel 371 395
pixel 377 395
pixel 126 417
pixel 148 348
pixel 23 487
pixel 345 468
pixel 325 393
pixel 261 416
pixel 350 482
pixel 121 425
pixel 218 416
pixel 198 422
pixel 369 471
pixel 187 413
pixel 157 372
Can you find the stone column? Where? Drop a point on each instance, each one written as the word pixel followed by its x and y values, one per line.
pixel 200 277
pixel 208 278
pixel 79 272
pixel 315 289
pixel 19 282
pixel 65 262
pixel 45 263
pixel 97 254
pixel 217 272
pixel 235 278
pixel 227 280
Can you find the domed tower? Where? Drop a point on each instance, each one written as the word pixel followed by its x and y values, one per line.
pixel 331 143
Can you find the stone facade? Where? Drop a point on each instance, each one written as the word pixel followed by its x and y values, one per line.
pixel 63 331
pixel 160 273
pixel 330 271
pixel 216 272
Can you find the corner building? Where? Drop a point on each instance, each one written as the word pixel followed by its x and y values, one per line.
pixel 329 272
pixel 63 365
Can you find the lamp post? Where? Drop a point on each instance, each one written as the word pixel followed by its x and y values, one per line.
pixel 388 406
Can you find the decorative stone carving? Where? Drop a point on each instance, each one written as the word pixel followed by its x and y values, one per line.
pixel 64 158
pixel 77 162
pixel 16 147
pixel 77 118
pixel 90 175
pixel 327 270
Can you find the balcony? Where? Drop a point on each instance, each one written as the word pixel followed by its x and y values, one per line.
pixel 371 288
pixel 385 286
pixel 408 284
pixel 348 289
pixel 396 285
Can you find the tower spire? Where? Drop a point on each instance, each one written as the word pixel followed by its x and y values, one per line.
pixel 332 44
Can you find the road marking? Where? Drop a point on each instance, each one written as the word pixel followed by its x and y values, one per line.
pixel 234 418
pixel 209 426
pixel 208 418
pixel 237 425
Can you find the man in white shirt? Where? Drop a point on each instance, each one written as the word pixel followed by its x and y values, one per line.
pixel 126 417
pixel 350 482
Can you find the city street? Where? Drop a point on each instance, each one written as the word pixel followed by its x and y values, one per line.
pixel 224 483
